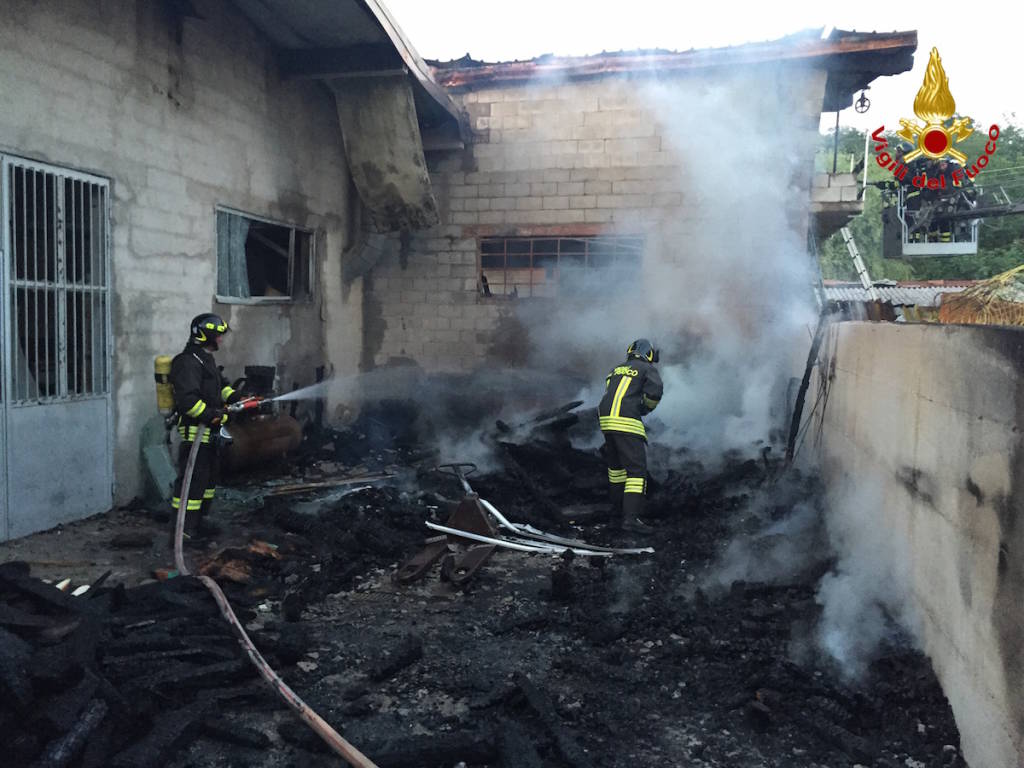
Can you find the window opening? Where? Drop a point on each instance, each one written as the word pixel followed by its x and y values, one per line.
pixel 260 259
pixel 546 267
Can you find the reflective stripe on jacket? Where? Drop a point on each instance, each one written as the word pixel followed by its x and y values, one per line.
pixel 632 390
pixel 200 390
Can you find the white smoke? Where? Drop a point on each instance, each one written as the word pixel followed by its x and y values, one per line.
pixel 780 552
pixel 725 288
pixel 867 596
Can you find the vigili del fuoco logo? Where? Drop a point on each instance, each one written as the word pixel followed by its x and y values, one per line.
pixel 935 140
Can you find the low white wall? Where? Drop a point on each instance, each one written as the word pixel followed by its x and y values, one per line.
pixel 927 418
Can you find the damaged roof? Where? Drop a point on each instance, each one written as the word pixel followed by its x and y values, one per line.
pixel 853 60
pixel 348 38
pixel 920 293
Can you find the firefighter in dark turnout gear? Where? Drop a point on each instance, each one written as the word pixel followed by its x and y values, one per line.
pixel 632 390
pixel 200 393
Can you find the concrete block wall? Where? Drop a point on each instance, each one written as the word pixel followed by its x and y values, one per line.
pixel 922 429
pixel 593 157
pixel 182 116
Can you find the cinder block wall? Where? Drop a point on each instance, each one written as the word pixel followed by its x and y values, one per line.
pixel 602 156
pixel 921 438
pixel 181 118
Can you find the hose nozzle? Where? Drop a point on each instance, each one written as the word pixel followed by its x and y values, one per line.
pixel 250 403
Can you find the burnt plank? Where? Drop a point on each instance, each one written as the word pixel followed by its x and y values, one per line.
pixel 221 729
pixel 86 639
pixel 171 731
pixel 126 668
pixel 140 642
pixel 19 619
pixel 63 750
pixel 62 710
pixel 39 592
pixel 15 685
pixel 254 690
pixel 541 705
pixel 100 746
pixel 182 677
pixel 54 666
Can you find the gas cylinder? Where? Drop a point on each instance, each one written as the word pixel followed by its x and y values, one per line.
pixel 164 394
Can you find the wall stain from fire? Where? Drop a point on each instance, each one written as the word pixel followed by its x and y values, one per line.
pixel 917 483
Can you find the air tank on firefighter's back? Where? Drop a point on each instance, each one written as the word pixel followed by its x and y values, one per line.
pixel 164 394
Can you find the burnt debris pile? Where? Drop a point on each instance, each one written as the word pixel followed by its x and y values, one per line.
pixel 538 660
pixel 116 677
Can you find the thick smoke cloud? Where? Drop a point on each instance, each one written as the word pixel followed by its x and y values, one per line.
pixel 726 283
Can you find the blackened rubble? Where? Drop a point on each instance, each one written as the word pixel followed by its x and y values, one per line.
pixel 539 661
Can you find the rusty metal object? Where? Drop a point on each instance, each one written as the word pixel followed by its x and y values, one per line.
pixel 459 569
pixel 475 523
pixel 262 440
pixel 417 566
pixel 468 516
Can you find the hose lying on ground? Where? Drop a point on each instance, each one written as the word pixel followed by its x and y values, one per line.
pixel 320 726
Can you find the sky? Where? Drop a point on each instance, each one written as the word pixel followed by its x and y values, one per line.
pixel 978 43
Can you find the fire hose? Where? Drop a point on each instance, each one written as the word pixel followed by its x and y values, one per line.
pixel 321 727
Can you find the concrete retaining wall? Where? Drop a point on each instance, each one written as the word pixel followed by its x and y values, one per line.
pixel 929 419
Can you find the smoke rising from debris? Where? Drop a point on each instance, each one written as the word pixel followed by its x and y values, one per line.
pixel 726 284
pixel 781 551
pixel 726 292
pixel 867 594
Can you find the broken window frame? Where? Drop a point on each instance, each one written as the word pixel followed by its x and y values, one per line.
pixel 309 270
pixel 584 250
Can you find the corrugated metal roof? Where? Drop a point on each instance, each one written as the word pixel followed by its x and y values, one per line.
pixel 921 294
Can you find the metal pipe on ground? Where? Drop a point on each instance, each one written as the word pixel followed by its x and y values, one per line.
pixel 321 727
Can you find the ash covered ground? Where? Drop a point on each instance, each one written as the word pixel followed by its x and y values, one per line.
pixel 702 654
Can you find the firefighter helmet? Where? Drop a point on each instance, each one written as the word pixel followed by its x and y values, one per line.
pixel 642 349
pixel 207 328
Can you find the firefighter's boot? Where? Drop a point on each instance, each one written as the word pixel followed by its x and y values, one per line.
pixel 632 507
pixel 204 526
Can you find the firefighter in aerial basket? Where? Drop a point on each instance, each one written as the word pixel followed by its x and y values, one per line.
pixel 201 394
pixel 632 390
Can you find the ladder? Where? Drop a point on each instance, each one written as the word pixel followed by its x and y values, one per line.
pixel 858 264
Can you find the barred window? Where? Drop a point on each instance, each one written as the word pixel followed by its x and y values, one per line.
pixel 546 267
pixel 57 242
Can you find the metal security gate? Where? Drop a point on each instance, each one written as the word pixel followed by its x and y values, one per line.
pixel 56 427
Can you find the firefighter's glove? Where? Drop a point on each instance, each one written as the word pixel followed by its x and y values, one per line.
pixel 220 418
